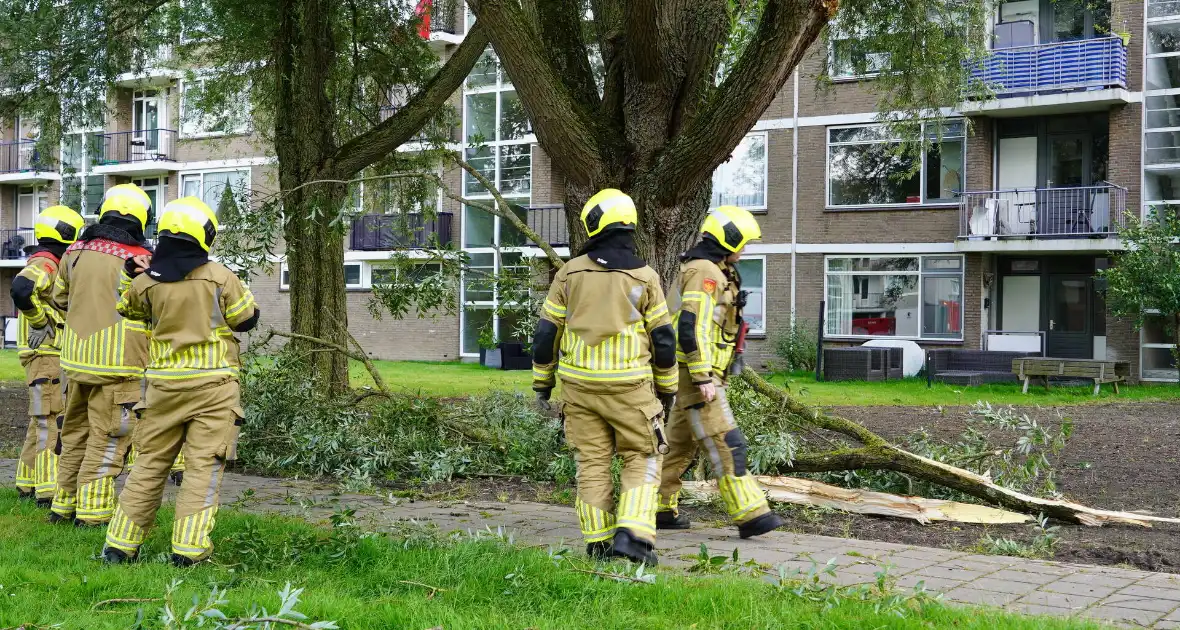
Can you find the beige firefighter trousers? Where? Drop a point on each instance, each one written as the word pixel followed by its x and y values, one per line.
pixel 36 470
pixel 600 422
pixel 712 428
pixel 95 435
pixel 204 423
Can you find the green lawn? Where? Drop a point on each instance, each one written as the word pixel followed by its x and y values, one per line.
pixel 49 575
pixel 914 392
pixel 460 379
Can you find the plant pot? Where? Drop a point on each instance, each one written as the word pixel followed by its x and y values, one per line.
pixel 490 358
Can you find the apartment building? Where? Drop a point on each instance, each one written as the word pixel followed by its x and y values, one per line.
pixel 993 243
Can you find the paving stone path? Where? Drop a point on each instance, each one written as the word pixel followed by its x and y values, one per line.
pixel 1120 596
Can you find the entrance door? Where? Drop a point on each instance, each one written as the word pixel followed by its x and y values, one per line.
pixel 1065 208
pixel 1069 334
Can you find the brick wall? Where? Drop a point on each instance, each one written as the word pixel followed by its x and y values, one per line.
pixel 7 308
pixel 981 154
pixel 409 339
pixel 1126 140
pixel 776 223
pixel 1128 15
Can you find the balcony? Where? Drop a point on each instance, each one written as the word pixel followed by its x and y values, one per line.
pixel 22 163
pixel 143 152
pixel 385 232
pixel 444 20
pixel 1034 219
pixel 14 242
pixel 1058 77
pixel 549 223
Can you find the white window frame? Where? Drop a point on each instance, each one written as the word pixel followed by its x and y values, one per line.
pixel 501 85
pixel 921 274
pixel 246 128
pixel 86 171
pixel 39 198
pixel 1144 345
pixel 761 293
pixel 362 284
pixel 765 173
pixel 248 183
pixel 873 58
pixel 922 203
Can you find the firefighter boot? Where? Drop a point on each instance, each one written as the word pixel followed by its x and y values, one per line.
pixel 110 555
pixel 760 525
pixel 600 550
pixel 671 520
pixel 634 549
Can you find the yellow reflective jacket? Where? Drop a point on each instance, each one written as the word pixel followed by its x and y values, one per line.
pixel 608 326
pixel 41 271
pixel 706 324
pixel 192 324
pixel 98 345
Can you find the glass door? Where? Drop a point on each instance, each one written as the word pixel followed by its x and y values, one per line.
pixel 1065 208
pixel 1069 333
pixel 147 117
pixel 151 186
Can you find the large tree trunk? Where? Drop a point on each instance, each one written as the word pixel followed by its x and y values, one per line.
pixel 304 141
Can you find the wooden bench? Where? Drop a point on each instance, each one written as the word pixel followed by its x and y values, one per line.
pixel 1098 371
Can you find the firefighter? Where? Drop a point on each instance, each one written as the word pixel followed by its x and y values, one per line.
pixel 193 307
pixel 37 338
pixel 103 357
pixel 606 331
pixel 707 330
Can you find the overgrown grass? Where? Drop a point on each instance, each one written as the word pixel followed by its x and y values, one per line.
pixel 50 576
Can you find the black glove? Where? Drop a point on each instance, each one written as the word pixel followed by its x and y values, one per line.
pixel 543 399
pixel 667 399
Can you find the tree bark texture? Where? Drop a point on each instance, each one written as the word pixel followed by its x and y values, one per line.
pixel 308 151
pixel 661 125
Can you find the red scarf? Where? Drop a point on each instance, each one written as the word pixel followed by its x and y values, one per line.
pixel 111 248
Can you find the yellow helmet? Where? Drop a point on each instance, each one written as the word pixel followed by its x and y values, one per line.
pixel 190 219
pixel 732 226
pixel 58 223
pixel 128 200
pixel 609 209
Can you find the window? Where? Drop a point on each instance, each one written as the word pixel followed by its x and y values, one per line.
pixel 198 118
pixel 79 188
pixel 420 272
pixel 742 180
pixel 918 297
pixel 849 61
pixel 867 167
pixel 1157 349
pixel 498 136
pixel 30 201
pixel 221 190
pixel 753 270
pixel 353 276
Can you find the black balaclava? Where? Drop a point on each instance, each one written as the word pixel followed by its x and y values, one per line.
pixel 55 247
pixel 708 249
pixel 613 249
pixel 115 227
pixel 175 258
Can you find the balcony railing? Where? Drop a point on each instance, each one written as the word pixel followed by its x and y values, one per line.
pixel 146 145
pixel 444 16
pixel 383 232
pixel 549 222
pixel 1086 211
pixel 14 242
pixel 1088 64
pixel 22 157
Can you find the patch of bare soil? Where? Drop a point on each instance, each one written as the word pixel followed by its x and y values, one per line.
pixel 1120 457
pixel 14 419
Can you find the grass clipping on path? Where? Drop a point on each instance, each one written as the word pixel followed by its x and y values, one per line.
pixel 417 580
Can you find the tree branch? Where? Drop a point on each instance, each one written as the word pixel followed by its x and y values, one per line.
pixel 359 356
pixel 786 30
pixel 567 129
pixel 370 147
pixel 560 23
pixel 508 215
pixel 643 36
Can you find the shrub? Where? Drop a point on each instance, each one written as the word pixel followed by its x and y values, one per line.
pixel 795 346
